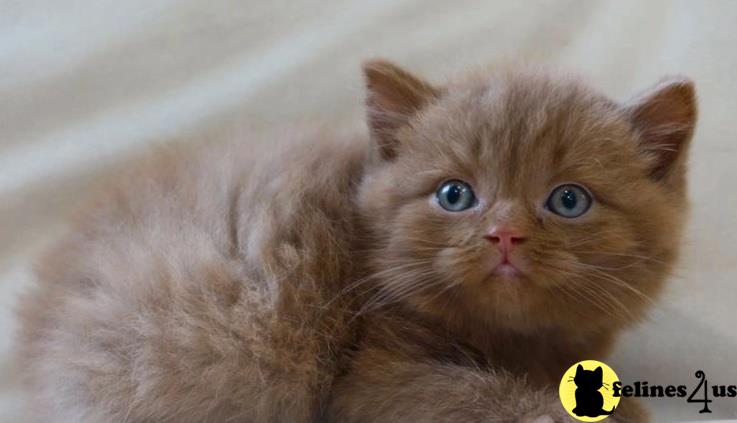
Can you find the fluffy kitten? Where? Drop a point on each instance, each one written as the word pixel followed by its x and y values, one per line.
pixel 449 267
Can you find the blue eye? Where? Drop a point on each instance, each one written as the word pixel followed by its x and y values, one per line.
pixel 455 196
pixel 569 201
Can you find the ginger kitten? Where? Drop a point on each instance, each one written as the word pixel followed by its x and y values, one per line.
pixel 486 235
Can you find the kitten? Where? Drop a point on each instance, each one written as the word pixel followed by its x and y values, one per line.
pixel 448 267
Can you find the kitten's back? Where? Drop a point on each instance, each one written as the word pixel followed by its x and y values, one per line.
pixel 190 289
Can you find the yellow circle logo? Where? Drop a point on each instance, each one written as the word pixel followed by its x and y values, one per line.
pixel 586 391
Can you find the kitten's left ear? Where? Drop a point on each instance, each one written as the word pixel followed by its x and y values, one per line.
pixel 665 117
pixel 394 96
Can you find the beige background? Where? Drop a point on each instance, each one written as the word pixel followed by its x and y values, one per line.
pixel 84 83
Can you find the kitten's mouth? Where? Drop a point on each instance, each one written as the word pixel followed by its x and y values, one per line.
pixel 509 267
pixel 506 269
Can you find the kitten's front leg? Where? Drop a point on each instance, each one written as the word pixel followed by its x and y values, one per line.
pixel 383 387
pixel 404 372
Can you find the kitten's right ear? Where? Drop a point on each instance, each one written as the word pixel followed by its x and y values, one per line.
pixel 394 96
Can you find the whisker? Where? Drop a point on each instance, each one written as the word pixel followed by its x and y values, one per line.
pixel 592 294
pixel 591 238
pixel 617 281
pixel 443 291
pixel 386 297
pixel 608 253
pixel 376 276
pixel 581 297
pixel 595 297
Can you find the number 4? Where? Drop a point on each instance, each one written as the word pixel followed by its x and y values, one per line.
pixel 700 374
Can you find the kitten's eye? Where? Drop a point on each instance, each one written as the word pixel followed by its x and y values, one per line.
pixel 455 196
pixel 569 201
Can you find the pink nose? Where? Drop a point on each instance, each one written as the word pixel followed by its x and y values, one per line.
pixel 505 237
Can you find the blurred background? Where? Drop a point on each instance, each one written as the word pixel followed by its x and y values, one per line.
pixel 87 83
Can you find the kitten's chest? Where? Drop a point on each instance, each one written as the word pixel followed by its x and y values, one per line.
pixel 542 357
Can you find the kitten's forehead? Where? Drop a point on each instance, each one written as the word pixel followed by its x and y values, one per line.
pixel 520 128
pixel 529 111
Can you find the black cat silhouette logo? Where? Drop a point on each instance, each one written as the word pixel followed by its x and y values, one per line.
pixel 586 391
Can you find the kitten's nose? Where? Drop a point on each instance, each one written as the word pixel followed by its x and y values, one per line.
pixel 505 237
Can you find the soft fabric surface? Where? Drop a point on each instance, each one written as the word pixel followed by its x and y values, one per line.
pixel 85 83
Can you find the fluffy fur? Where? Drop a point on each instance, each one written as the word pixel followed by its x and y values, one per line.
pixel 317 280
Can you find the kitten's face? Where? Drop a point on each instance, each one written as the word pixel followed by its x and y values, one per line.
pixel 523 201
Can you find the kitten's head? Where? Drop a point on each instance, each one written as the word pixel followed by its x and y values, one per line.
pixel 524 199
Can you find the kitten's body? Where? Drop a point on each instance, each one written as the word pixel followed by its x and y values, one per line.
pixel 221 283
pixel 194 290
